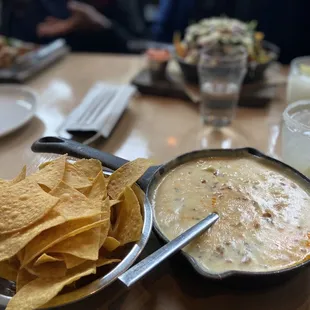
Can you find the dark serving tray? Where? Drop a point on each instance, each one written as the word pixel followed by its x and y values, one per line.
pixel 258 94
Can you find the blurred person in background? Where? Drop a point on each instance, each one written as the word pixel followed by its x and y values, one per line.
pixel 101 25
pixel 284 23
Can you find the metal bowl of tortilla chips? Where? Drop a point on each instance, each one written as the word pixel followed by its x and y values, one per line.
pixel 73 221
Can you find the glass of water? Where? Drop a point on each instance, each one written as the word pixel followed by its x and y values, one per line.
pixel 296 136
pixel 221 73
pixel 298 84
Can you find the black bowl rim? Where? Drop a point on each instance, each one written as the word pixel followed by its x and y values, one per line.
pixel 213 153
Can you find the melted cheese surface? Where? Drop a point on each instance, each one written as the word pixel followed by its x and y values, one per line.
pixel 264 213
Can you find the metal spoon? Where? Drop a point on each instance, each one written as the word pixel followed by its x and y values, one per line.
pixel 138 271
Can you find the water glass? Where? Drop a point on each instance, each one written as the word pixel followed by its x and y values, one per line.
pixel 298 84
pixel 296 136
pixel 221 73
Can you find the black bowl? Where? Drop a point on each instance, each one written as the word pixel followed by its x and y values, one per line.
pixel 255 72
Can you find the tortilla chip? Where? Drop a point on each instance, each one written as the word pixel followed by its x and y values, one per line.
pixel 114 207
pixel 84 245
pixel 45 258
pixel 8 271
pixel 52 236
pixel 11 244
pixel 43 165
pixel 111 244
pixel 72 261
pixel 75 178
pixel 17 179
pixel 105 215
pixel 20 255
pixel 72 204
pixel 126 176
pixel 129 221
pixel 23 278
pixel 72 238
pixel 20 177
pixel 48 270
pixel 88 167
pixel 51 174
pixel 23 204
pixel 106 261
pixel 139 193
pixel 46 289
pixel 14 261
pixel 99 188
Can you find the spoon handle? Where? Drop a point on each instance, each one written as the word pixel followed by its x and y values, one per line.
pixel 135 273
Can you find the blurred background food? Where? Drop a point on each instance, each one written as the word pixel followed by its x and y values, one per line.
pixel 224 32
pixel 11 49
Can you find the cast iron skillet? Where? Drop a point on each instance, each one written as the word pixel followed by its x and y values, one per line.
pixel 149 181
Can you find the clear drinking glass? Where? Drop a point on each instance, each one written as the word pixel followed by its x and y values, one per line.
pixel 296 136
pixel 298 84
pixel 221 73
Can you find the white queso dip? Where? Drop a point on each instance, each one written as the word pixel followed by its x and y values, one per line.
pixel 264 213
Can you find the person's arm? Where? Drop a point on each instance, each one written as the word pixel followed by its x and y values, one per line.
pixel 83 16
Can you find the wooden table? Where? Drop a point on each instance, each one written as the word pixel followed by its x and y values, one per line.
pixel 157 128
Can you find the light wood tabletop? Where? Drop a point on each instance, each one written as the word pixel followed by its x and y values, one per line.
pixel 160 128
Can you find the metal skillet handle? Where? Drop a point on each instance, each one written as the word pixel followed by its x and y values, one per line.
pixel 58 145
pixel 62 146
pixel 135 273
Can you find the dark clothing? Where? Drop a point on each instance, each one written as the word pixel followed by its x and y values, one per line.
pixel 285 23
pixel 21 17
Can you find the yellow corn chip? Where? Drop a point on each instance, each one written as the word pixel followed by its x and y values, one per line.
pixel 45 258
pixel 20 177
pixel 50 237
pixel 46 289
pixel 23 278
pixel 48 270
pixel 20 255
pixel 84 245
pixel 17 179
pixel 43 165
pixel 51 174
pixel 11 244
pixel 105 215
pixel 139 193
pixel 72 204
pixel 85 191
pixel 111 244
pixel 44 252
pixel 129 221
pixel 99 188
pixel 72 261
pixel 23 204
pixel 106 261
pixel 88 167
pixel 113 211
pixel 14 261
pixel 8 271
pixel 126 176
pixel 114 202
pixel 75 178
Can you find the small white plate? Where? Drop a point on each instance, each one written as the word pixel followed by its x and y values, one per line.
pixel 17 107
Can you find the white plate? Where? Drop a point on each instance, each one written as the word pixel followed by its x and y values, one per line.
pixel 17 107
